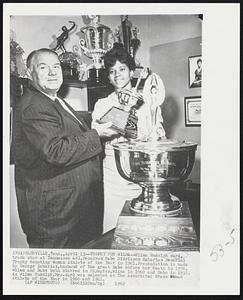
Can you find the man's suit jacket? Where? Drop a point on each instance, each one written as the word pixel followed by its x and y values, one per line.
pixel 57 169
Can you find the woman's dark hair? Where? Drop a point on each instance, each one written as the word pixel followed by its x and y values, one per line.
pixel 118 52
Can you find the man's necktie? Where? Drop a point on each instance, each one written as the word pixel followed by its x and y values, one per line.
pixel 57 101
pixel 65 106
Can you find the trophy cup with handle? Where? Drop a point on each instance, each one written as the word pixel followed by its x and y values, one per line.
pixel 96 42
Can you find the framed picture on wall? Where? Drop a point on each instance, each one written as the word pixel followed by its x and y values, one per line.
pixel 192 111
pixel 195 71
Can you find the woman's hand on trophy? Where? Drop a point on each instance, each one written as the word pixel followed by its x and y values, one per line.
pixel 104 129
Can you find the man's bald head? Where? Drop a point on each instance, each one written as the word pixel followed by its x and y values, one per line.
pixel 36 53
pixel 44 69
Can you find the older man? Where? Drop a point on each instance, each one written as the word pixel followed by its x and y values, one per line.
pixel 57 168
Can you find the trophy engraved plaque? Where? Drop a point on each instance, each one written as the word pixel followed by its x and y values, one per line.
pixel 124 122
pixel 118 117
pixel 124 118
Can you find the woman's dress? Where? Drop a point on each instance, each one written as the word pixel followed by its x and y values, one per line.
pixel 116 189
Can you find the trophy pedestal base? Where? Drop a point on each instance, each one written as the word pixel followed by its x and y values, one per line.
pixel 171 208
pixel 147 232
pixel 97 76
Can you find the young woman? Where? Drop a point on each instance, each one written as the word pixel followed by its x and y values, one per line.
pixel 120 66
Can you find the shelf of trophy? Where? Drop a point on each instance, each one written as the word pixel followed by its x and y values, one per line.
pixel 74 83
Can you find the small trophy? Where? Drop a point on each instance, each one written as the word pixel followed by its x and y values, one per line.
pixel 96 42
pixel 127 34
pixel 63 37
pixel 70 61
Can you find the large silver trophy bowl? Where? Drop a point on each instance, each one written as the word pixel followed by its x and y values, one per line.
pixel 154 162
pixel 155 167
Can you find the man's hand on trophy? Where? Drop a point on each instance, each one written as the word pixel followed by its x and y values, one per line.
pixel 104 129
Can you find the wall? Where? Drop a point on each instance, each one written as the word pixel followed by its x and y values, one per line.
pixel 161 29
pixel 159 35
pixel 33 32
pixel 170 61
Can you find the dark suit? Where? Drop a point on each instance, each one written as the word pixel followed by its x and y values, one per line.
pixel 57 174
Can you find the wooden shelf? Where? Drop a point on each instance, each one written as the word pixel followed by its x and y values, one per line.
pixel 75 83
pixel 95 90
pixel 87 83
